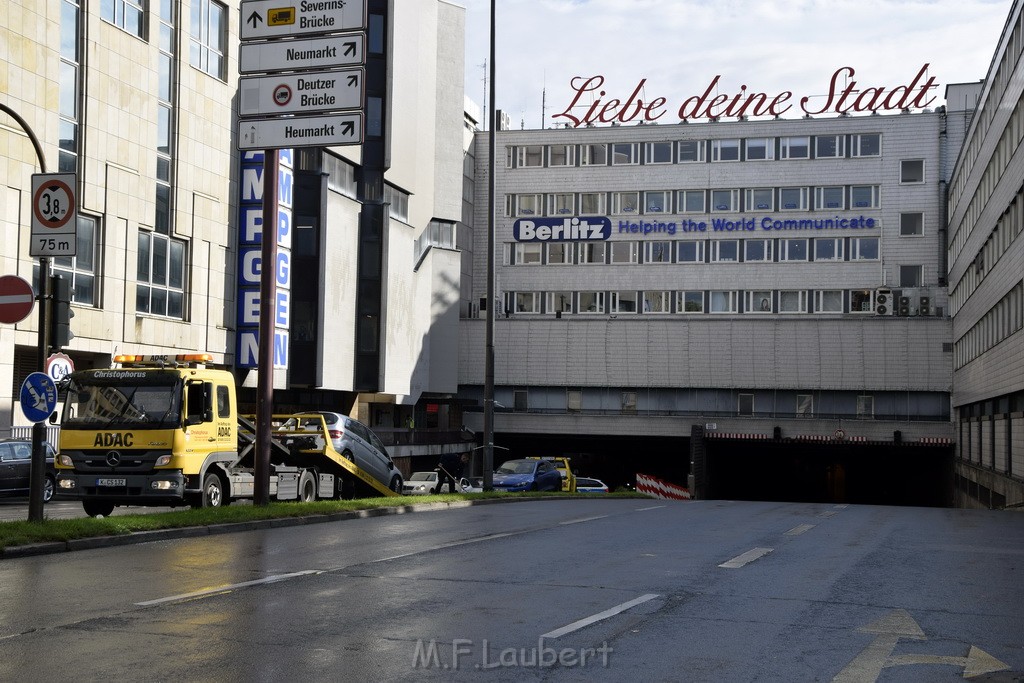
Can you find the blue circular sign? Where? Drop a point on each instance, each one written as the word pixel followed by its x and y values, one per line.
pixel 38 397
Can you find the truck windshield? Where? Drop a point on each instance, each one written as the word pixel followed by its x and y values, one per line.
pixel 148 401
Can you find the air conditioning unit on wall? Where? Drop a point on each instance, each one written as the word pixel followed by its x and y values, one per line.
pixel 883 301
pixel 924 305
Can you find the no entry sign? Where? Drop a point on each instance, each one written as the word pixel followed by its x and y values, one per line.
pixel 16 299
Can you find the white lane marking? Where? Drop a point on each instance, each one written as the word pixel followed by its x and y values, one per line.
pixel 797 530
pixel 746 558
pixel 228 588
pixel 582 519
pixel 453 544
pixel 829 513
pixel 600 616
pixel 653 507
pixel 842 506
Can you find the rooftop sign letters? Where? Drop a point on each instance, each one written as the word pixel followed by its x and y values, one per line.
pixel 591 228
pixel 845 96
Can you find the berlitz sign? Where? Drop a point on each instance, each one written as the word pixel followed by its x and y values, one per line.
pixel 845 96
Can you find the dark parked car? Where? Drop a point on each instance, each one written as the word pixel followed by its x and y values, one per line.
pixel 527 475
pixel 15 464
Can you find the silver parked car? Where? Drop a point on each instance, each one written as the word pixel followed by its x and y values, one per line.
pixel 355 441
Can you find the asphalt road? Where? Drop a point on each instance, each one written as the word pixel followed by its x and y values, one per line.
pixel 607 590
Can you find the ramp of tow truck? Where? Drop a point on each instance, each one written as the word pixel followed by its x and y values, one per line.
pixel 324 448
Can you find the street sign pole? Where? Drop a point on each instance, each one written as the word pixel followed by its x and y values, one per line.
pixel 37 471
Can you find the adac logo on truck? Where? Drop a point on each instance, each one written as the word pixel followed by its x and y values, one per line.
pixel 572 229
pixel 110 440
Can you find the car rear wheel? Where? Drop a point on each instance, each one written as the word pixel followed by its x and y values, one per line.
pixel 49 487
pixel 396 484
pixel 348 455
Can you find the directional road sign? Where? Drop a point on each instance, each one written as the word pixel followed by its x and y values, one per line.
pixel 38 397
pixel 16 299
pixel 54 215
pixel 270 18
pixel 284 132
pixel 300 93
pixel 325 52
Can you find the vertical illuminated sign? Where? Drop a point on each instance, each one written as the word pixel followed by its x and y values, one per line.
pixel 250 237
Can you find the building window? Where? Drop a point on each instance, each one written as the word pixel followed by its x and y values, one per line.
pixel 529 204
pixel 657 202
pixel 561 204
pixel 793 198
pixel 912 223
pixel 559 253
pixel 591 302
pixel 866 145
pixel 530 156
pixel 864 197
pixel 690 252
pixel 829 198
pixel 67 158
pixel 126 14
pixel 912 171
pixel 793 249
pixel 625 153
pixel 527 302
pixel 759 199
pixel 528 253
pixel 725 201
pixel 80 269
pixel 690 151
pixel 625 202
pixel 593 155
pixel 760 149
pixel 209 40
pixel 861 301
pixel 911 276
pixel 804 405
pixel 725 150
pixel 160 277
pixel 562 155
pixel 829 146
pixel 864 249
pixel 624 252
pixel 865 407
pixel 592 203
pixel 574 400
pixel 659 153
pixel 828 301
pixel 690 302
pixel 795 147
pixel 691 201
pixel 657 302
pixel 559 302
pixel 520 402
pixel 624 302
pixel 629 401
pixel 725 251
pixel 828 249
pixel 793 302
pixel 758 302
pixel 757 250
pixel 745 405
pixel 657 252
pixel 592 252
pixel 724 302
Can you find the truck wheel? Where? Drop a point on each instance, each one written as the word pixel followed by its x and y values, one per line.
pixel 396 484
pixel 213 492
pixel 94 508
pixel 307 487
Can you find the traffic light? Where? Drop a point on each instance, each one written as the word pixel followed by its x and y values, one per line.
pixel 60 327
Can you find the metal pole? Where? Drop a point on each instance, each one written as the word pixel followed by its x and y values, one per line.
pixel 489 351
pixel 268 296
pixel 37 469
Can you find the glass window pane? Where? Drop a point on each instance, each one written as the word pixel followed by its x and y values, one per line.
pixel 162 219
pixel 68 101
pixel 158 301
pixel 159 261
pixel 176 268
pixel 142 299
pixel 86 230
pixel 144 259
pixel 163 129
pixel 85 286
pixel 69 32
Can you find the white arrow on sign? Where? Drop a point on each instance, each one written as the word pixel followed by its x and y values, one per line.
pixel 303 93
pixel 325 52
pixel 867 666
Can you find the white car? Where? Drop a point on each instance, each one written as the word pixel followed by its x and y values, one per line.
pixel 420 484
pixel 588 485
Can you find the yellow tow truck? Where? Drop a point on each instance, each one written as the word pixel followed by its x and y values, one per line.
pixel 165 430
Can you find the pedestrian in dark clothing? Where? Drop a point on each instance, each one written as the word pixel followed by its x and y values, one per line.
pixel 449 470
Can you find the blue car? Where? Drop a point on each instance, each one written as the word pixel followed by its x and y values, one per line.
pixel 527 475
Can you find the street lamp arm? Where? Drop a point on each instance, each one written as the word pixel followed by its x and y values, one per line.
pixel 28 131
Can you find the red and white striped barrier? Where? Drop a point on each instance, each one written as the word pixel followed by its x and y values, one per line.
pixel 656 488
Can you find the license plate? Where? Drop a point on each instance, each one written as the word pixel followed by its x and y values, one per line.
pixel 111 482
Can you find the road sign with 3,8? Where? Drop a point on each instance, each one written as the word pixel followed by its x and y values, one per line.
pixel 284 132
pixel 309 92
pixel 324 52
pixel 54 215
pixel 274 18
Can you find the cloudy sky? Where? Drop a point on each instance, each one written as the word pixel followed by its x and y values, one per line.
pixel 679 46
